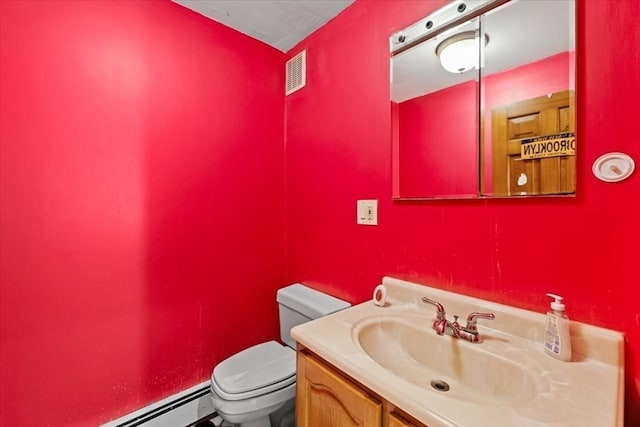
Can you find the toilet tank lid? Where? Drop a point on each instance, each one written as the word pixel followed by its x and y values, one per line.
pixel 309 302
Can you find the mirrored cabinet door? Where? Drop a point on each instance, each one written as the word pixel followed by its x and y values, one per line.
pixel 436 114
pixel 483 101
pixel 528 139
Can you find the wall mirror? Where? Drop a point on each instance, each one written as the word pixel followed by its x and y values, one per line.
pixel 483 101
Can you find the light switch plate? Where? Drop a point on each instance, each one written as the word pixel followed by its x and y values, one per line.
pixel 367 212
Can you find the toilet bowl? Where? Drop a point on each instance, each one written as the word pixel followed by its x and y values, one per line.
pixel 254 383
pixel 249 387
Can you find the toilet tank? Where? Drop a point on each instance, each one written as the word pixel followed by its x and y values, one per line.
pixel 298 304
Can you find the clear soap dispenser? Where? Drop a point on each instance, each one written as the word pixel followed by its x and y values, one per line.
pixel 557 341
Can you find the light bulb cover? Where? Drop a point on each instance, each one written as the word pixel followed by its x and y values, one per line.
pixel 459 53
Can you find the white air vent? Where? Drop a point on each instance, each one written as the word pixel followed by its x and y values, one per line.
pixel 296 72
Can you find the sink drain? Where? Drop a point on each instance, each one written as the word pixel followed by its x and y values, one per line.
pixel 440 385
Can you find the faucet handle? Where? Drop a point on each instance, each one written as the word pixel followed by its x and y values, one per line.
pixel 440 322
pixel 440 313
pixel 472 320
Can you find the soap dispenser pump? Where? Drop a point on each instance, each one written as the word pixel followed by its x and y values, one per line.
pixel 557 341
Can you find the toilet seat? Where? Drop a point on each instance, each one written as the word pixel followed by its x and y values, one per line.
pixel 255 371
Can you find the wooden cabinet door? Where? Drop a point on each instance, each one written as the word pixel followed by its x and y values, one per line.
pixel 396 420
pixel 326 399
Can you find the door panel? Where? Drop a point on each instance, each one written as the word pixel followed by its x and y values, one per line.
pixel 541 116
pixel 325 398
pixel 396 420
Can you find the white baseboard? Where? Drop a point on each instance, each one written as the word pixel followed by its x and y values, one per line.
pixel 180 410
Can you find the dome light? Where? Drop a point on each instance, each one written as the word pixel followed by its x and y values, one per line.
pixel 459 53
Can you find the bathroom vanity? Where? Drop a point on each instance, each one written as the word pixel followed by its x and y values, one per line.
pixel 326 396
pixel 386 366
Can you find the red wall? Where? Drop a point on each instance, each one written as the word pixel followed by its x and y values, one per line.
pixel 141 217
pixel 511 251
pixel 436 161
pixel 141 173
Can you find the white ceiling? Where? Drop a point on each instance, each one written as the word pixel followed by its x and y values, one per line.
pixel 278 23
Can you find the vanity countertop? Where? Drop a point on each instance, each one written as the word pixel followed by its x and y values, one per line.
pixel 588 391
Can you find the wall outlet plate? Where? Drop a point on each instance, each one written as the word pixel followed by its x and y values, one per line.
pixel 367 212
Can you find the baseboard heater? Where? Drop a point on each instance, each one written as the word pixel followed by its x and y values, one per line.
pixel 182 409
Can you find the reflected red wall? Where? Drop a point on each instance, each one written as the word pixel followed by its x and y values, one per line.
pixel 438 152
pixel 511 251
pixel 141 211
pixel 437 149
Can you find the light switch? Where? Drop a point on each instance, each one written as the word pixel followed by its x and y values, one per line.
pixel 367 212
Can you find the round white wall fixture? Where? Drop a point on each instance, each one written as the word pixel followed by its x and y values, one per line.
pixel 613 167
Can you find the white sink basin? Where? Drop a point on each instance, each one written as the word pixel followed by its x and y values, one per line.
pixel 408 347
pixel 506 380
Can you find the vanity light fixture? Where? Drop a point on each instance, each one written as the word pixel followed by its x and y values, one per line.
pixel 459 53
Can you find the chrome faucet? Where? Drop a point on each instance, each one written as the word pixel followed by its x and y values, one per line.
pixel 469 332
pixel 440 323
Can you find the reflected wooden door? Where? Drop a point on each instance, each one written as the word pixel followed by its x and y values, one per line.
pixel 544 115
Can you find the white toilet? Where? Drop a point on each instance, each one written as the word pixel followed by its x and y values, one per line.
pixel 258 385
